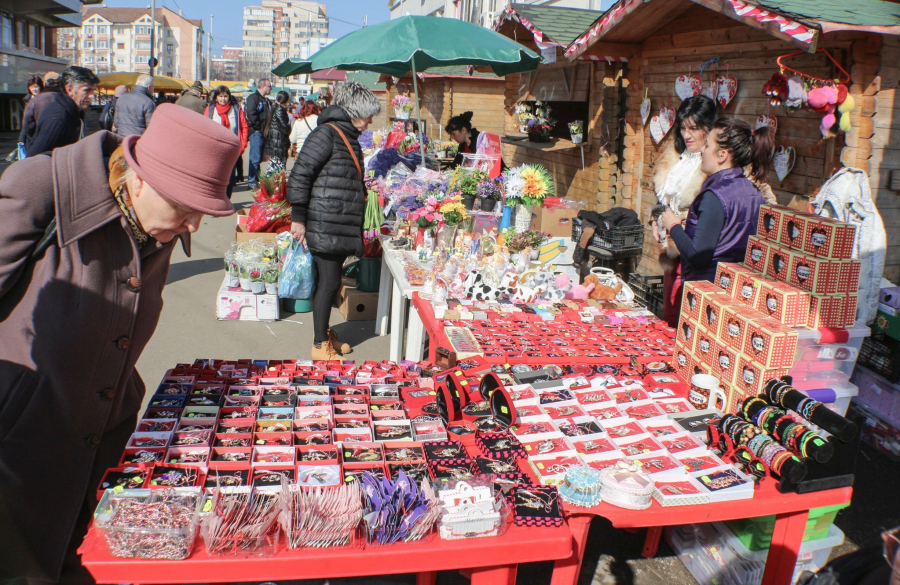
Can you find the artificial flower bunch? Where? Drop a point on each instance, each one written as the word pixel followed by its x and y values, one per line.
pixel 528 185
pixel 531 239
pixel 427 216
pixel 402 103
pixel 409 144
pixel 490 189
pixel 453 211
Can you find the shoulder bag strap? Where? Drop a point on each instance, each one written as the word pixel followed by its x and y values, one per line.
pixel 307 124
pixel 350 148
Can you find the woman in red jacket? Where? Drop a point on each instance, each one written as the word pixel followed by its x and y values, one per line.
pixel 225 110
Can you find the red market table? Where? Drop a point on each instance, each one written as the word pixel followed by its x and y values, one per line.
pixel 492 560
pixel 431 324
pixel 791 512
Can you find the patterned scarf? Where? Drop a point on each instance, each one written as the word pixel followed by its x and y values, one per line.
pixel 127 209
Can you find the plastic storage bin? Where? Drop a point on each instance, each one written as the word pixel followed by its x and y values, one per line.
pixel 877 393
pixel 826 356
pixel 756 533
pixel 615 239
pixel 715 556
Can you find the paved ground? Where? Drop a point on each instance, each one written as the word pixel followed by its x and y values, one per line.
pixel 188 329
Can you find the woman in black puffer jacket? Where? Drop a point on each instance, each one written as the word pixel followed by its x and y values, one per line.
pixel 278 131
pixel 328 200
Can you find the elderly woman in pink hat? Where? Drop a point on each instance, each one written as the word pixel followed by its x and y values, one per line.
pixel 85 246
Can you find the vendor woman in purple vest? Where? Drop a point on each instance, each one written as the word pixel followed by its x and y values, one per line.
pixel 725 213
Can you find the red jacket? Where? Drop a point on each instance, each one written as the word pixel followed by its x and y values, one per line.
pixel 242 131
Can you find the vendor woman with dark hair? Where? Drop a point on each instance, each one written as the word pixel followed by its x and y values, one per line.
pixel 461 131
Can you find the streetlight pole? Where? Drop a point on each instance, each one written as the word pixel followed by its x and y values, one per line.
pixel 152 62
pixel 208 44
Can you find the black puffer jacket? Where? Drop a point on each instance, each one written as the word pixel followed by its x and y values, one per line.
pixel 278 137
pixel 325 189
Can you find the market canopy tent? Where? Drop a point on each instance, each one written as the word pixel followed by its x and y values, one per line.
pixel 411 44
pixel 160 82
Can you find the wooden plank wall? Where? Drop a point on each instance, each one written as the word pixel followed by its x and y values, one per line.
pixel 444 97
pixel 873 144
pixel 591 185
pixel 750 55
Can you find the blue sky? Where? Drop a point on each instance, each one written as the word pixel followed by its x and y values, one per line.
pixel 229 15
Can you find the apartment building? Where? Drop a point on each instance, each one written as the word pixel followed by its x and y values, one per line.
pixel 276 30
pixel 482 12
pixel 118 39
pixel 28 46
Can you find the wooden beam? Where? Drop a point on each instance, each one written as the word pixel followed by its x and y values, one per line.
pixel 610 49
pixel 771 27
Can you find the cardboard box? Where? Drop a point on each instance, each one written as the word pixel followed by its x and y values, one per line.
pixel 681 361
pixel 784 303
pixel 817 275
pixel 692 297
pixel 848 281
pixel 757 256
pixel 829 238
pixel 826 311
pixel 555 221
pixel 770 343
pixel 890 297
pixel 711 312
pixel 734 325
pixel 241 235
pixel 355 305
pixel 794 227
pixel 725 363
pixel 747 286
pixel 851 304
pixel 887 321
pixel 726 275
pixel 769 223
pixel 778 266
pixel 234 304
pixel 705 348
pixel 686 333
pixel 751 376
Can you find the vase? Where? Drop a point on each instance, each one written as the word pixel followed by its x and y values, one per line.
pixel 446 236
pixel 577 138
pixel 538 137
pixel 271 288
pixel 488 204
pixel 257 287
pixel 245 283
pixel 400 114
pixel 535 254
pixel 506 218
pixel 468 202
pixel 418 236
pixel 234 281
pixel 523 217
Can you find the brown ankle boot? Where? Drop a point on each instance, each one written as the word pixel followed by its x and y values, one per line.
pixel 337 343
pixel 324 352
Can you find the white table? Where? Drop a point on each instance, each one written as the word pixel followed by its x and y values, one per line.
pixel 394 292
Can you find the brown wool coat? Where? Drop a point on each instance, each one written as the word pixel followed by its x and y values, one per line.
pixel 73 324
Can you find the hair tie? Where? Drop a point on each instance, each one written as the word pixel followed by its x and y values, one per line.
pixel 752 131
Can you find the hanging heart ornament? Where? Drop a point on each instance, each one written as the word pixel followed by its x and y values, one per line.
pixel 711 90
pixel 726 87
pixel 666 119
pixel 688 86
pixel 783 161
pixel 656 131
pixel 645 110
pixel 770 121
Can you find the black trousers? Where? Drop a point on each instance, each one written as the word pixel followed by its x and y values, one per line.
pixel 328 282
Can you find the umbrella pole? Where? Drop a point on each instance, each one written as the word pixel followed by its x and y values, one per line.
pixel 418 109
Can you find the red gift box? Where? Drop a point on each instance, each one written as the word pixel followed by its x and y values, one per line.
pixel 770 343
pixel 757 256
pixel 711 312
pixel 746 288
pixel 778 266
pixel 734 325
pixel 705 348
pixel 770 218
pixel 794 226
pixel 850 305
pixel 687 332
pixel 692 297
pixel 829 238
pixel 751 376
pixel 817 275
pixel 726 275
pixel 848 281
pixel 827 311
pixel 784 303
pixel 725 364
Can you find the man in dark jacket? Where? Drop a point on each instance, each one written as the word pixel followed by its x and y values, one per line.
pixel 328 199
pixel 36 105
pixel 257 113
pixel 133 110
pixel 192 98
pixel 60 123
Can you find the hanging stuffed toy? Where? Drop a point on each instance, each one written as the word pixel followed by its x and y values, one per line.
pixel 845 107
pixel 824 100
pixel 777 89
pixel 796 93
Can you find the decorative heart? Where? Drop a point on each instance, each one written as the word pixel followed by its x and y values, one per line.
pixel 666 119
pixel 726 89
pixel 688 86
pixel 645 110
pixel 770 121
pixel 711 90
pixel 783 161
pixel 656 131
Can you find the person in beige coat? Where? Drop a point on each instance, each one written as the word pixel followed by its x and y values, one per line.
pixel 85 246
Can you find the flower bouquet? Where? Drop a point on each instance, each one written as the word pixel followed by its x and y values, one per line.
pixel 257 284
pixel 523 113
pixel 527 186
pixel 528 240
pixel 576 130
pixel 540 125
pixel 409 145
pixel 402 107
pixel 271 212
pixel 454 214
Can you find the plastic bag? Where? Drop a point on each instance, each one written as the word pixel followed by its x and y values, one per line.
pixel 297 279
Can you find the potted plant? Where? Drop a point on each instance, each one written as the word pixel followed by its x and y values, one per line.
pixel 257 284
pixel 541 124
pixel 270 276
pixel 402 107
pixel 490 191
pixel 527 186
pixel 454 213
pixel 426 218
pixel 523 112
pixel 244 276
pixel 468 186
pixel 576 130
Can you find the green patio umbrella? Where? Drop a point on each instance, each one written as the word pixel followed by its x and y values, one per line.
pixel 411 44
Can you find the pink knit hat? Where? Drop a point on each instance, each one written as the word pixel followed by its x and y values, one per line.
pixel 187 158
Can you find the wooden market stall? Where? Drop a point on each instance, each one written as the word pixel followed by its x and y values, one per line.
pixel 445 92
pixel 586 90
pixel 664 39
